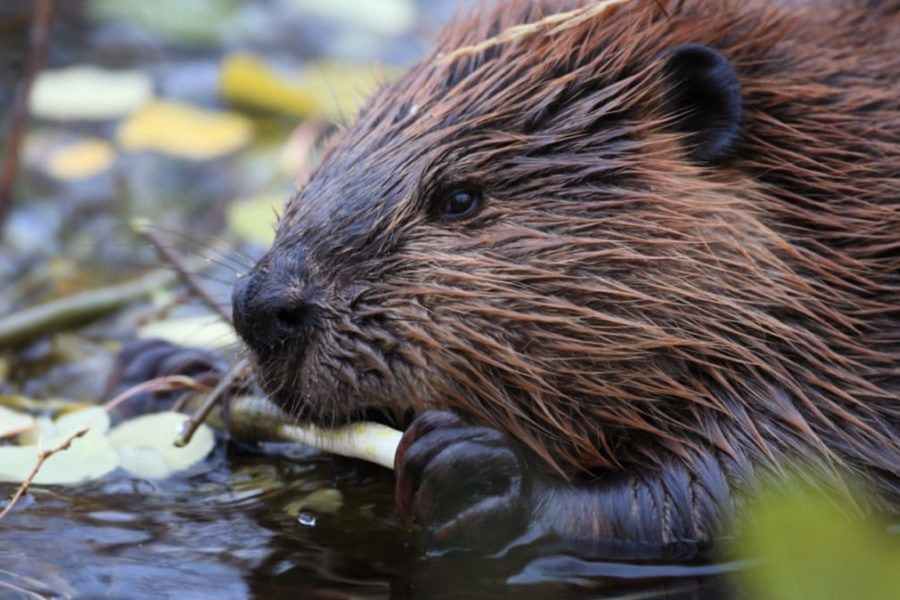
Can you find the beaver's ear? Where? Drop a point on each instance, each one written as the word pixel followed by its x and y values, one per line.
pixel 706 98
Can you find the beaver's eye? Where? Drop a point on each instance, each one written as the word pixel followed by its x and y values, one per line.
pixel 458 204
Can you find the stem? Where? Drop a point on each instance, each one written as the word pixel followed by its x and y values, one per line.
pixel 31 323
pixel 258 420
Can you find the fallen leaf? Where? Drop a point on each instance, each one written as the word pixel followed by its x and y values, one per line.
pixel 204 331
pixel 80 160
pixel 184 131
pixel 85 92
pixel 327 500
pixel 253 220
pixel 197 21
pixel 13 423
pixel 89 457
pixel 385 17
pixel 329 90
pixel 146 445
pixel 43 427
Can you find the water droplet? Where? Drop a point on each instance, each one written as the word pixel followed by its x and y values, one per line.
pixel 306 518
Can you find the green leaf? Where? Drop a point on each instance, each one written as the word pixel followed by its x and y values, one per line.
pixel 810 549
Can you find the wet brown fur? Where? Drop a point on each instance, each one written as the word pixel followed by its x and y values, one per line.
pixel 616 304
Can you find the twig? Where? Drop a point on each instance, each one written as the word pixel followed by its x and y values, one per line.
pixel 559 21
pixel 190 426
pixel 160 384
pixel 166 255
pixel 78 308
pixel 20 591
pixel 40 39
pixel 32 582
pixel 42 458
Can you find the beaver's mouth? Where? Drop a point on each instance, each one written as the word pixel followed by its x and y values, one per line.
pixel 385 416
pixel 334 408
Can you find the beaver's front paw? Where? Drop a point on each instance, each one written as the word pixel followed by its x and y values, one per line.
pixel 144 359
pixel 465 485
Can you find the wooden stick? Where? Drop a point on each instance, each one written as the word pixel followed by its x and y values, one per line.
pixel 190 426
pixel 34 322
pixel 255 419
pixel 40 40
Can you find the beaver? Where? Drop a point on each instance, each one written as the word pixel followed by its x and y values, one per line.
pixel 617 260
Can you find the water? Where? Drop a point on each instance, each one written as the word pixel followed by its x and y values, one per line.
pixel 226 529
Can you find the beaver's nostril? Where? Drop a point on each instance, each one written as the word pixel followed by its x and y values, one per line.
pixel 268 314
pixel 293 316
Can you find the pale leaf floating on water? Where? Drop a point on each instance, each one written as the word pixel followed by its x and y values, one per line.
pixel 89 93
pixel 89 457
pixel 203 331
pixel 146 448
pixel 184 131
pixel 190 21
pixel 384 17
pixel 327 90
pixel 13 423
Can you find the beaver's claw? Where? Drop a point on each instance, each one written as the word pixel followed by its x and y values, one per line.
pixel 143 360
pixel 465 485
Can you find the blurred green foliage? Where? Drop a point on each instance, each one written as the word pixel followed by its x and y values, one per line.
pixel 180 20
pixel 810 549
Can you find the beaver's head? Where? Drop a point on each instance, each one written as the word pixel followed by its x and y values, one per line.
pixel 554 234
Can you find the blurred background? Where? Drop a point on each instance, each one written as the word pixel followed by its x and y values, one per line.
pixel 197 119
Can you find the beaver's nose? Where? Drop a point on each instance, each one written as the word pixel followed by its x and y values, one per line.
pixel 269 313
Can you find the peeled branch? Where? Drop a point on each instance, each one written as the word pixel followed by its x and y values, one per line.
pixel 253 419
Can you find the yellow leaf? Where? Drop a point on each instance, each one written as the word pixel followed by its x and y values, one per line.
pixel 327 90
pixel 146 444
pixel 85 92
pixel 254 220
pixel 185 131
pixel 327 500
pixel 81 160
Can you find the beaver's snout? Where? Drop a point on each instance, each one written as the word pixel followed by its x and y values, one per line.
pixel 271 310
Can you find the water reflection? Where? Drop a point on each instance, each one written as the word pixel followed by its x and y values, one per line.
pixel 226 531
